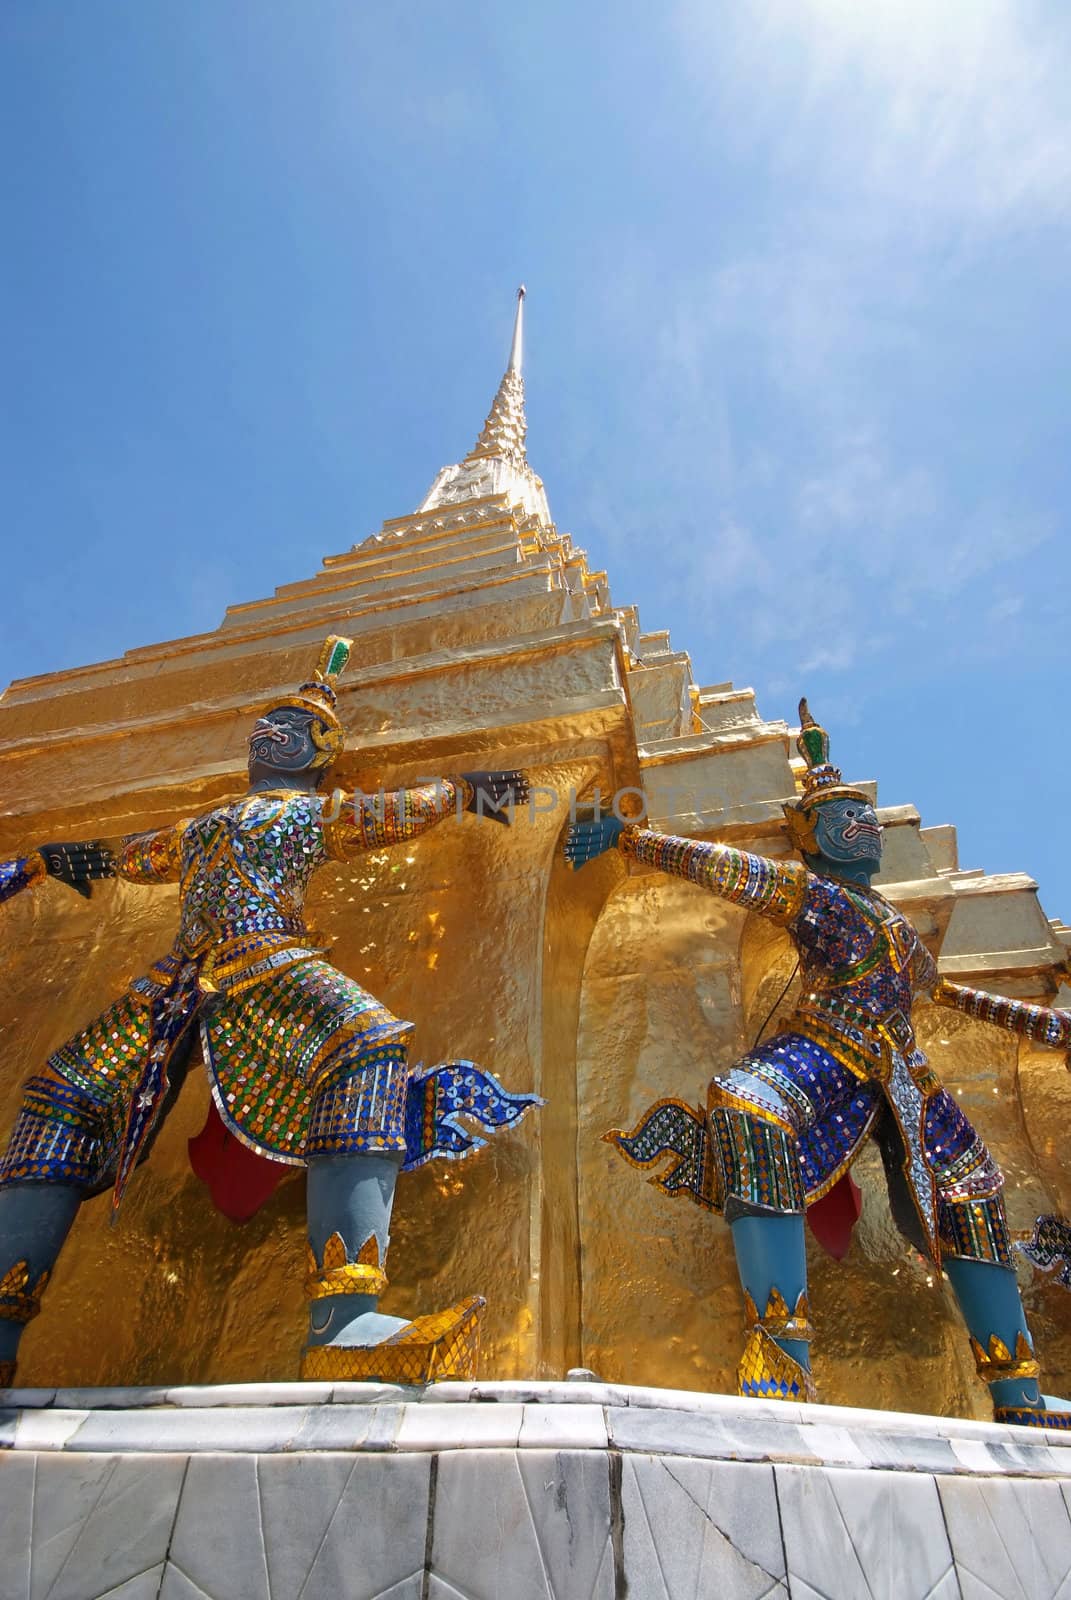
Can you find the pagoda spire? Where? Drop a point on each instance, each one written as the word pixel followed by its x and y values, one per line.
pixel 504 432
pixel 497 463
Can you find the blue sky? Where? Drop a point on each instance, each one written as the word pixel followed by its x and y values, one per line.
pixel 797 354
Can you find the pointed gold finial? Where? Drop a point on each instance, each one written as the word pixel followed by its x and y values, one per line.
pixel 516 353
pixel 506 427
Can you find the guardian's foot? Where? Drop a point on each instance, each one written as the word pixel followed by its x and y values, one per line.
pixel 372 1347
pixel 766 1372
pixel 349 1338
pixel 1050 1412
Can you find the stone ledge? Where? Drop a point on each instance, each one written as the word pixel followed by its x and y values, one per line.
pixel 295 1417
pixel 535 1491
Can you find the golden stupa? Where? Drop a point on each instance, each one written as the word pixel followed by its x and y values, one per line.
pixel 483 639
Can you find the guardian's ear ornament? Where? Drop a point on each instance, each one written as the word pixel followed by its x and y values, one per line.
pixel 800 828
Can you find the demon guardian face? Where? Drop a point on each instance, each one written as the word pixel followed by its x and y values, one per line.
pixel 848 830
pixel 281 741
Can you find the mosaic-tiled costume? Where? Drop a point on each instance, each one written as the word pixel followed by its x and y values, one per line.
pixel 1049 1247
pixel 301 1060
pixel 306 1067
pixel 781 1128
pixel 1041 1024
pixel 844 1060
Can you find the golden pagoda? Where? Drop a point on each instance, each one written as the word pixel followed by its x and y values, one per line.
pixel 483 638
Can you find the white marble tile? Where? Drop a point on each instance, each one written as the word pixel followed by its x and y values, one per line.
pixel 247 1394
pixel 339 1427
pixel 47 1430
pixel 547 1391
pixel 176 1586
pixel 16 1522
pixel 528 1526
pixel 709 1434
pixel 299 1496
pixel 111 1399
pixel 861 1417
pixel 65 1491
pixel 834 1445
pixel 383 1433
pixel 1032 1459
pixel 727 1405
pixel 1011 1538
pixel 100 1522
pixel 578 1427
pixel 568 1495
pixel 229 1428
pixel 907 1452
pixel 450 1427
pixel 450 1389
pixel 700 1528
pixel 371 1394
pixel 1057 1437
pixel 864 1535
pixel 439 1589
pixel 335 1525
pixel 218 1539
pixel 27 1397
pixel 411 1588
pixel 145 1586
pixel 972 1454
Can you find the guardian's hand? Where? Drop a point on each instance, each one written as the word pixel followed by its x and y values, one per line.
pixel 75 864
pixel 590 836
pixel 494 794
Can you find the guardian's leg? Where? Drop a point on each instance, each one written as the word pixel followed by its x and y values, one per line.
pixel 764 1207
pixel 976 1254
pixel 355 1151
pixel 978 1262
pixel 53 1154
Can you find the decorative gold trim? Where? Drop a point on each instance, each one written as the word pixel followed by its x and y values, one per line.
pixel 778 1320
pixel 999 1362
pixel 36 872
pixel 350 1279
pixel 18 1301
pixel 767 1373
pixel 720 1097
pixel 800 828
pixel 1033 1417
pixel 337 1275
pixel 835 791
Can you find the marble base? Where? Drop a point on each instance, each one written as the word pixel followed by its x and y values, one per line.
pixel 470 1491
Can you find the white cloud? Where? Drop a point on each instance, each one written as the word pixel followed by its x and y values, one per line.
pixel 859 488
pixel 814 512
pixel 950 110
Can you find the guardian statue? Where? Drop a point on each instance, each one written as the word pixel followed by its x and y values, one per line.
pixel 781 1128
pixel 306 1068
